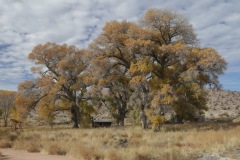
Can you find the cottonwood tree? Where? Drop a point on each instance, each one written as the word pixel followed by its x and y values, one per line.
pixel 61 75
pixel 116 98
pixel 112 61
pixel 177 69
pixel 47 111
pixel 140 99
pixel 6 104
pixel 161 57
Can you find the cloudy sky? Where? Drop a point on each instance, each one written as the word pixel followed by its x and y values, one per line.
pixel 26 23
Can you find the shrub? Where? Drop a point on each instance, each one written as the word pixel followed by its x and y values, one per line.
pixel 237 107
pixel 5 144
pixel 224 108
pixel 33 148
pixel 89 153
pixel 225 114
pixel 12 136
pixel 56 150
pixel 156 122
pixel 113 155
pixel 144 156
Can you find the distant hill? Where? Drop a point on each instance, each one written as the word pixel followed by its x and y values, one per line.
pixel 223 104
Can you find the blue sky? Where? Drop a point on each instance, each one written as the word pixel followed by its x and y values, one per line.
pixel 26 23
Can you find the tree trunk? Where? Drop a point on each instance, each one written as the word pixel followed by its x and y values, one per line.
pixel 5 120
pixel 92 120
pixel 5 123
pixel 75 115
pixel 179 119
pixel 144 123
pixel 121 120
pixel 121 116
pixel 143 119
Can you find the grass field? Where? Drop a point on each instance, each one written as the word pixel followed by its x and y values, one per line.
pixel 173 142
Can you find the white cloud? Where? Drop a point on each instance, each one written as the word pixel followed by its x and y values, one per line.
pixel 26 23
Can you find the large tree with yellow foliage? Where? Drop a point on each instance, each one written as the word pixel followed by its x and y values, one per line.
pixel 151 67
pixel 179 69
pixel 111 63
pixel 161 58
pixel 61 82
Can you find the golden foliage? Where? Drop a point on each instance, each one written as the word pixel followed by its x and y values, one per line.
pixel 47 111
pixel 159 56
pixel 62 71
pixel 141 66
pixel 156 121
pixel 138 80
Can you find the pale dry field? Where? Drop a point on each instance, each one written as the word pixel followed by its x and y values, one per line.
pixel 173 142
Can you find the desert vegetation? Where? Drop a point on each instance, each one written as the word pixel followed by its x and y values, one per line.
pixel 176 142
pixel 152 72
pixel 222 104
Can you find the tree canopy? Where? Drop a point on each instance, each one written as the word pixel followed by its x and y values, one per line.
pixel 60 84
pixel 161 58
pixel 150 66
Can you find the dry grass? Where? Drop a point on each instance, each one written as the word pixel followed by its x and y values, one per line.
pixel 6 138
pixel 173 142
pixel 12 136
pixel 32 147
pixel 5 144
pixel 56 150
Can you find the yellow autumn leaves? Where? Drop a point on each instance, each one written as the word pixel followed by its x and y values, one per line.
pixel 157 59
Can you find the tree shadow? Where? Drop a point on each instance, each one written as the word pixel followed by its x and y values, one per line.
pixel 3 157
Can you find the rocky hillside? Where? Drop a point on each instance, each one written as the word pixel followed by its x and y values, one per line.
pixel 223 104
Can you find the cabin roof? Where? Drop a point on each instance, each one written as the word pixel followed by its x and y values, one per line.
pixel 102 121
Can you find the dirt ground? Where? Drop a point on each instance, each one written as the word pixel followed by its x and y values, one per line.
pixel 11 154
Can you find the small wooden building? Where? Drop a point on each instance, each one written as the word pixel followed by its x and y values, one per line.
pixel 101 123
pixel 200 118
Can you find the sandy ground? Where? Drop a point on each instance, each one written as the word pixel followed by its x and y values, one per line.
pixel 11 154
